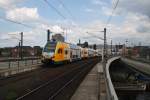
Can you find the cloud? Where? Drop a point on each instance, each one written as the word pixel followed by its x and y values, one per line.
pixel 23 14
pixel 135 6
pixel 99 2
pixel 135 21
pixel 33 37
pixel 108 11
pixel 138 22
pixel 134 25
pixel 89 10
pixel 56 29
pixel 9 4
pixel 135 28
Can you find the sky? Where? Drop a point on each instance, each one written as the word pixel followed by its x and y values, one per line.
pixel 75 19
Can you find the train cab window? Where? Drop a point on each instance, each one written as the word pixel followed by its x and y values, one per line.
pixel 59 51
pixel 66 52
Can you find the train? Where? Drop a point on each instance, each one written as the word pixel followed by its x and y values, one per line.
pixel 57 52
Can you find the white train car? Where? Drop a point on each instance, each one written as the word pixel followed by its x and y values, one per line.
pixel 90 53
pixel 75 52
pixel 84 53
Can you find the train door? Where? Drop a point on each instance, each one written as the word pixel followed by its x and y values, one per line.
pixel 66 54
pixel 60 54
pixel 71 56
pixel 78 54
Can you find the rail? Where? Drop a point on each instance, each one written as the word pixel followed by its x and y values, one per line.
pixel 71 77
pixel 67 84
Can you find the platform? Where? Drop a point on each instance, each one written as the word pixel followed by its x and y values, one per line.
pixel 89 89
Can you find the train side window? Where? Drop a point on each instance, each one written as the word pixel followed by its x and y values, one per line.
pixel 59 51
pixel 66 52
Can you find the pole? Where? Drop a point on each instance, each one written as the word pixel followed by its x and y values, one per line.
pixel 105 48
pixel 19 53
pixel 111 47
pixel 48 35
pixel 126 46
pixel 66 35
pixel 79 42
pixel 21 45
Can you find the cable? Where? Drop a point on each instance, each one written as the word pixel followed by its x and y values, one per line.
pixel 110 17
pixel 60 1
pixel 51 6
pixel 58 12
pixel 116 4
pixel 95 36
pixel 19 23
pixel 16 22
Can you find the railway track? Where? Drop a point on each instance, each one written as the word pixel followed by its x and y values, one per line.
pixel 67 90
pixel 17 86
pixel 54 89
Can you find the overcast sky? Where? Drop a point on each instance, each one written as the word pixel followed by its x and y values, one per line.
pixel 130 21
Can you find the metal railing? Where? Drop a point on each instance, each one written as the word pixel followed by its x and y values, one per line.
pixel 13 66
pixel 110 91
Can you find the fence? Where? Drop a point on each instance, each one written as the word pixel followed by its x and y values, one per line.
pixel 111 94
pixel 13 66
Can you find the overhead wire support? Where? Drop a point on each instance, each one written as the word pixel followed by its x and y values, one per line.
pixel 58 12
pixel 95 36
pixel 110 17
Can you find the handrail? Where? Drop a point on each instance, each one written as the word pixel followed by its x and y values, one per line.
pixel 16 59
pixel 111 93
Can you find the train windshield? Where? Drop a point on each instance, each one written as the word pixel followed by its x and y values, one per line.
pixel 50 47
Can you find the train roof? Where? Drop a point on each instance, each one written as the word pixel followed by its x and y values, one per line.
pixel 74 46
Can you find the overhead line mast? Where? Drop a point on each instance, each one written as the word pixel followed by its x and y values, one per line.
pixel 59 13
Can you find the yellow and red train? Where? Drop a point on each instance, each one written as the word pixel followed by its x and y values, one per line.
pixel 60 52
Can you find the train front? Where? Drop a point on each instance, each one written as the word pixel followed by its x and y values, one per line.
pixel 49 52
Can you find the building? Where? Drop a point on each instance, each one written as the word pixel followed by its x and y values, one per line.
pixel 5 52
pixel 27 51
pixel 37 50
pixel 142 51
pixel 58 37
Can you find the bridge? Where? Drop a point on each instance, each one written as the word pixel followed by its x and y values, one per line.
pixel 83 79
